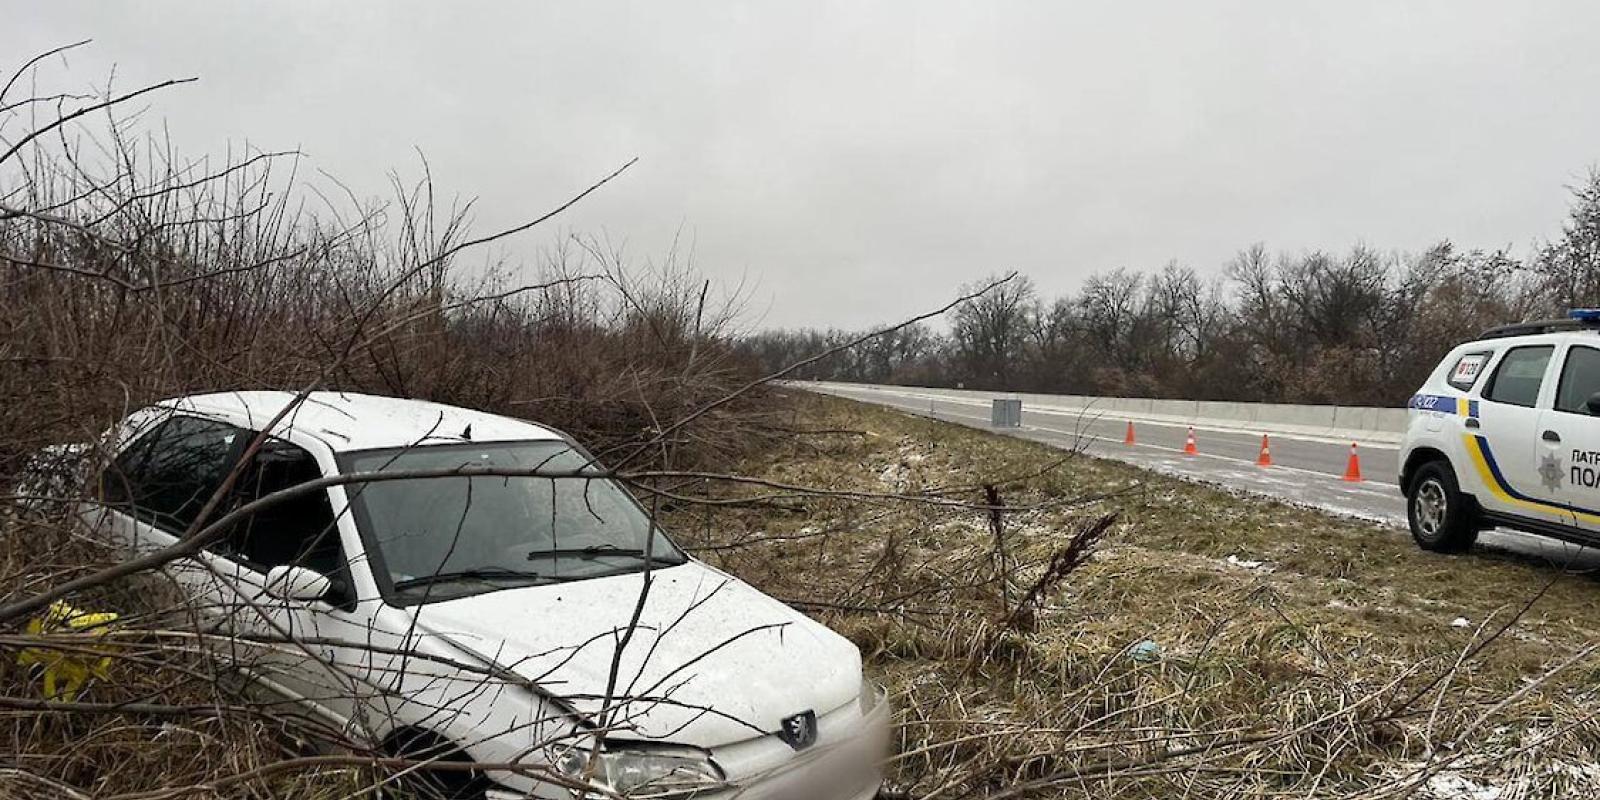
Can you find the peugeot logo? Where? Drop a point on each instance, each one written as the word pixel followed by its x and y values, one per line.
pixel 800 730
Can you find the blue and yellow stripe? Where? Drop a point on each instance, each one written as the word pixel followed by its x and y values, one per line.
pixel 1495 481
pixel 1460 406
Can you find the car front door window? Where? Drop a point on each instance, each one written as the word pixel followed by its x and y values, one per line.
pixel 1580 380
pixel 294 530
pixel 298 530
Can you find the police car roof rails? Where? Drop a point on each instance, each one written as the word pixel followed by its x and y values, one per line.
pixel 1577 319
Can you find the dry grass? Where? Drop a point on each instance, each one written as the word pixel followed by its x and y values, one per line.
pixel 130 273
pixel 1329 670
pixel 191 726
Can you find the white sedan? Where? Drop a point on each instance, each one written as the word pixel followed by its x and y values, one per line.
pixel 488 616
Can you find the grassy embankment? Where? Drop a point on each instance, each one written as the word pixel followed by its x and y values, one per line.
pixel 1339 665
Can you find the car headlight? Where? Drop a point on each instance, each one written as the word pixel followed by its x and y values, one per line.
pixel 644 773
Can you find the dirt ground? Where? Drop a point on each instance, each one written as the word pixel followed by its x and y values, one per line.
pixel 1215 645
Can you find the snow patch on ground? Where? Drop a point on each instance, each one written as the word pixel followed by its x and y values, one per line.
pixel 1450 786
pixel 897 475
pixel 894 476
pixel 1498 774
pixel 1250 564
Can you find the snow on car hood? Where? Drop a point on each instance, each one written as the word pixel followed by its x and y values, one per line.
pixel 712 662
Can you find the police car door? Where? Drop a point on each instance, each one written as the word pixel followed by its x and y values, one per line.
pixel 1505 445
pixel 1569 444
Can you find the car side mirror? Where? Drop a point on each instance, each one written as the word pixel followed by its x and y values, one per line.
pixel 296 583
pixel 1593 404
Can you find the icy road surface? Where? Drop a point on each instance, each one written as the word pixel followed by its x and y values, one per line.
pixel 1307 470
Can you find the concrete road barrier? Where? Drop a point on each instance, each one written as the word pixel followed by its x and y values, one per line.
pixel 1363 423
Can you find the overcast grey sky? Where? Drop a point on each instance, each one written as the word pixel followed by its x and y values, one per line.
pixel 857 162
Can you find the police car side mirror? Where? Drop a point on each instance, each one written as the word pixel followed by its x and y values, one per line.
pixel 1593 404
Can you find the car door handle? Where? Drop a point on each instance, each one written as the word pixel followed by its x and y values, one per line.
pixel 1472 422
pixel 1551 436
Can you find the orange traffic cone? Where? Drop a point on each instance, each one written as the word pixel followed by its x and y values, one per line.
pixel 1128 439
pixel 1265 459
pixel 1189 448
pixel 1352 471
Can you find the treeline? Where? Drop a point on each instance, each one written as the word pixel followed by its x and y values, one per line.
pixel 1357 327
pixel 149 279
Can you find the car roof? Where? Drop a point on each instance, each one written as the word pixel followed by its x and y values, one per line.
pixel 1585 335
pixel 347 421
pixel 1541 326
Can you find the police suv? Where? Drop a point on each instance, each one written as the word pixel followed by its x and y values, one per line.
pixel 1506 432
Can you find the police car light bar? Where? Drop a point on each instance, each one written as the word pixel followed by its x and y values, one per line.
pixel 1578 319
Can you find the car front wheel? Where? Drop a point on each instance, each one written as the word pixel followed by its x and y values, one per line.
pixel 1440 516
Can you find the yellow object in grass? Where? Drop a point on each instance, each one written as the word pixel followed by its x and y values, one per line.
pixel 66 671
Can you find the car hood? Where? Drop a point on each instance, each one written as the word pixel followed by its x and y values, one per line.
pixel 711 662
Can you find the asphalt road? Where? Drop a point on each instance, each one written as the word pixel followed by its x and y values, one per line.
pixel 1307 470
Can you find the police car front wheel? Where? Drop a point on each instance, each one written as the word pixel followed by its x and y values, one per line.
pixel 1438 512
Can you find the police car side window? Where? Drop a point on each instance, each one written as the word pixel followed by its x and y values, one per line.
pixel 1467 369
pixel 1518 378
pixel 1580 378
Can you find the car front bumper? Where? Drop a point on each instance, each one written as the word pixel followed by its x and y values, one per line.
pixel 849 769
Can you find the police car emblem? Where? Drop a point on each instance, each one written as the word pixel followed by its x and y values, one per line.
pixel 799 731
pixel 1550 472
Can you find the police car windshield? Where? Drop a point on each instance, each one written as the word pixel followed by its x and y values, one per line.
pixel 443 537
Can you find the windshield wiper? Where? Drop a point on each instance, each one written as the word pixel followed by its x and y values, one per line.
pixel 475 574
pixel 607 550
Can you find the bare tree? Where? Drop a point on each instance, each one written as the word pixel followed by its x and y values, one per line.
pixel 991 331
pixel 1571 265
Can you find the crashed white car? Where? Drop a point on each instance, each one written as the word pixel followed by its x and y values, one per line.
pixel 488 616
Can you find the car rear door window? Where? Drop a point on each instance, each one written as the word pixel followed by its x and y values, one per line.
pixel 167 476
pixel 1467 369
pixel 1580 379
pixel 1520 374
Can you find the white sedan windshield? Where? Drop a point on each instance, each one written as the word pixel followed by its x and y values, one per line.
pixel 440 537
